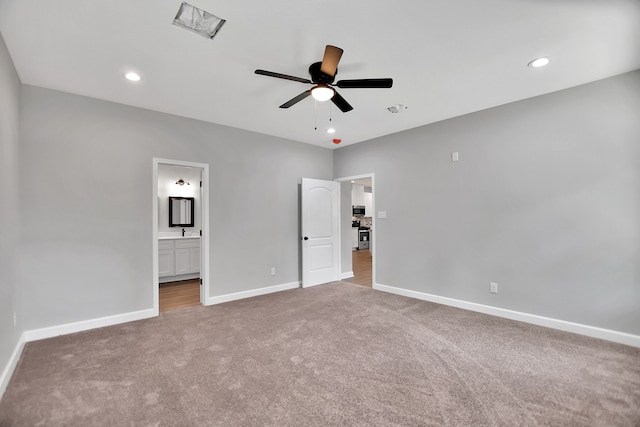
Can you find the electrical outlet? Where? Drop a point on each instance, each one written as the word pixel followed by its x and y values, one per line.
pixel 273 271
pixel 493 288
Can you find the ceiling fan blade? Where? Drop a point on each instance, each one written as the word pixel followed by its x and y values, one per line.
pixel 283 76
pixel 365 84
pixel 332 55
pixel 297 99
pixel 341 103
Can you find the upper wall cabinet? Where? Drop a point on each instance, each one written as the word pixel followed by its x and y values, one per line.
pixel 368 204
pixel 357 194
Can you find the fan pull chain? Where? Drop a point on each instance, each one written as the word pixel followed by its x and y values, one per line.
pixel 315 114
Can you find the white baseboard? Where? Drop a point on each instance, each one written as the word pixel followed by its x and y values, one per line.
pixel 69 328
pixel 251 293
pixel 7 372
pixel 591 331
pixel 179 278
pixel 347 275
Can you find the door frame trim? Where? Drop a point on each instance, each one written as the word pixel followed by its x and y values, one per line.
pixel 204 223
pixel 373 222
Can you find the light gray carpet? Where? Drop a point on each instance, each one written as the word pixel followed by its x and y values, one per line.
pixel 336 354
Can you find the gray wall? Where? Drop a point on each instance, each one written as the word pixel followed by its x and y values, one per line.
pixel 9 206
pixel 545 201
pixel 86 199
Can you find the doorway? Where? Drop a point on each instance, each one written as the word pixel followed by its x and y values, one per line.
pixel 359 243
pixel 180 235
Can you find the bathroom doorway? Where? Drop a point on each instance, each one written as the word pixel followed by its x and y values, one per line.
pixel 180 234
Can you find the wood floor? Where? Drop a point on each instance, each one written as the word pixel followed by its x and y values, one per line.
pixel 182 294
pixel 186 293
pixel 362 270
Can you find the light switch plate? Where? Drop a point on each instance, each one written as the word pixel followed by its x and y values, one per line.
pixel 454 156
pixel 382 214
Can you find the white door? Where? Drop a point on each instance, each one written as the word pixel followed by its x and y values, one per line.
pixel 320 234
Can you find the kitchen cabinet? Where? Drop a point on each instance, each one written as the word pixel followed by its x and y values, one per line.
pixel 354 237
pixel 357 194
pixel 178 257
pixel 368 204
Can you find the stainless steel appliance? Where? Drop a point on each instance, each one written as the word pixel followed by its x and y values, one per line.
pixel 364 237
pixel 358 210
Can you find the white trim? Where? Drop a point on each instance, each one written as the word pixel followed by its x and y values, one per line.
pixel 563 325
pixel 252 293
pixel 11 365
pixel 178 278
pixel 347 275
pixel 85 325
pixel 204 239
pixel 154 241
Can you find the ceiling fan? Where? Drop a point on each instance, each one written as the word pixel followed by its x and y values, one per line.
pixel 322 76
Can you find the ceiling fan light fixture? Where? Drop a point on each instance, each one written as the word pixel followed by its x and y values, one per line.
pixel 198 21
pixel 322 93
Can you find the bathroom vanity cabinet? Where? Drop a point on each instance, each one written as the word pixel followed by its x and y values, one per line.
pixel 178 258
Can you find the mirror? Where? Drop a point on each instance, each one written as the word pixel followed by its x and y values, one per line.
pixel 181 211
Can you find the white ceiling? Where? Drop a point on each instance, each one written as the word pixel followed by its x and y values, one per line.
pixel 447 57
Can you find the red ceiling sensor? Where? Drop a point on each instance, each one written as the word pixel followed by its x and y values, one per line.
pixel 337 141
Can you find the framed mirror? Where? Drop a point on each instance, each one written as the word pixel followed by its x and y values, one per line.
pixel 181 211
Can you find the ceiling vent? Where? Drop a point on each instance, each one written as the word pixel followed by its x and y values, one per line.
pixel 398 108
pixel 197 20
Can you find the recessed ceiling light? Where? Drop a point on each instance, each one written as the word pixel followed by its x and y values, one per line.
pixel 540 62
pixel 131 76
pixel 331 130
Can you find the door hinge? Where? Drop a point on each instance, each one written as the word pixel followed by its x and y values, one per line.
pixel 200 282
pixel 200 183
pixel 200 232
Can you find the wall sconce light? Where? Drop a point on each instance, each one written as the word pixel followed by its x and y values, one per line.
pixel 182 182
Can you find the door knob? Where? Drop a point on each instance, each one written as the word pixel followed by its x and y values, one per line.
pixel 305 238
